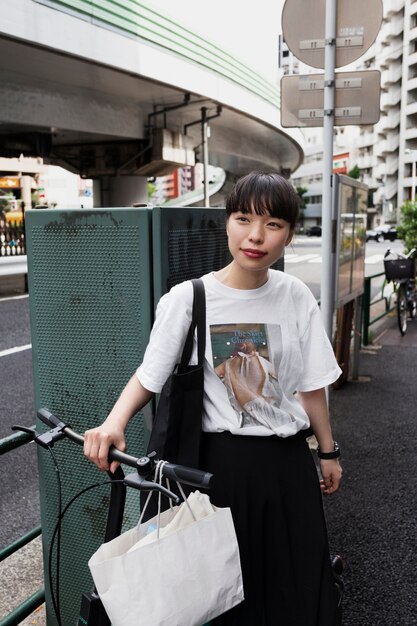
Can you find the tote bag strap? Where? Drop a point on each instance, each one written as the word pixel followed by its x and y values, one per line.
pixel 198 321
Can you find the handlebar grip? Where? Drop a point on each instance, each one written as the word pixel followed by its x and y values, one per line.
pixel 48 418
pixel 187 475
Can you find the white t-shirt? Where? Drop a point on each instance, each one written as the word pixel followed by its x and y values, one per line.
pixel 262 346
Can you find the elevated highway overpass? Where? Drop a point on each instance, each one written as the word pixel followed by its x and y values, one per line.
pixel 114 90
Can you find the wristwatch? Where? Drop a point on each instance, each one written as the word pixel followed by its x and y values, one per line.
pixel 329 455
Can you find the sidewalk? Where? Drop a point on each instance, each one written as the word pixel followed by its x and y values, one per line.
pixel 372 520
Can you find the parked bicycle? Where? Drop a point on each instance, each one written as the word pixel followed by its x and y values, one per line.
pixel 401 270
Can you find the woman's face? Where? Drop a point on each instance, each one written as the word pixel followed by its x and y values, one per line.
pixel 257 241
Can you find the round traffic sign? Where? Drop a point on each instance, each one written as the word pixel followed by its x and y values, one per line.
pixel 303 27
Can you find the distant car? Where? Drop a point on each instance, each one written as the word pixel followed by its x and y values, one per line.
pixel 382 233
pixel 313 231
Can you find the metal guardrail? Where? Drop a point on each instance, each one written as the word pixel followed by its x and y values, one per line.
pixel 32 602
pixel 368 303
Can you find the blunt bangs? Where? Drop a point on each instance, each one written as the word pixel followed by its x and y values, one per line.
pixel 264 193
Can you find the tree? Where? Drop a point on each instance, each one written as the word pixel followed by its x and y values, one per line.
pixel 301 191
pixel 151 189
pixel 354 172
pixel 408 227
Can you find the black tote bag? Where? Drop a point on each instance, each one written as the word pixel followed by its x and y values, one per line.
pixel 176 429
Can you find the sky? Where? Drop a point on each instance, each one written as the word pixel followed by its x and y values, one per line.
pixel 249 31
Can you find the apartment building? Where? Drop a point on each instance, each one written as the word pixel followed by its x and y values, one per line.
pixel 386 152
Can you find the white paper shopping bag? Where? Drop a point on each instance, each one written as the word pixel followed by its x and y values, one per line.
pixel 188 576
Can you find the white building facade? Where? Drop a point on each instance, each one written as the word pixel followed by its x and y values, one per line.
pixel 386 153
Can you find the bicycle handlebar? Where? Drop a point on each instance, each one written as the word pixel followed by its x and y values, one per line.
pixel 400 255
pixel 180 473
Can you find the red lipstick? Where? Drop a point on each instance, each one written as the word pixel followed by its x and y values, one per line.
pixel 252 253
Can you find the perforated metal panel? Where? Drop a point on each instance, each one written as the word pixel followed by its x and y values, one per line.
pixel 90 300
pixel 188 243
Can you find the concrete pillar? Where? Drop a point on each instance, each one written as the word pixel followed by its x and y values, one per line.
pixel 26 187
pixel 119 191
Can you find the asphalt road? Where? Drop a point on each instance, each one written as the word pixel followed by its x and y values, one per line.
pixel 303 259
pixel 19 499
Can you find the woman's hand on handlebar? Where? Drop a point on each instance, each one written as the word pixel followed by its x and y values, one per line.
pixel 97 442
pixel 112 432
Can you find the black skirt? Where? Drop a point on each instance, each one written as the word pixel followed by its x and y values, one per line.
pixel 272 487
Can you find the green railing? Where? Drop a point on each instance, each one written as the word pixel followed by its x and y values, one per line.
pixel 135 19
pixel 368 304
pixel 35 600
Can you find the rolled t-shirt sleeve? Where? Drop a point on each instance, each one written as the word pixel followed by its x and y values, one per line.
pixel 320 367
pixel 172 321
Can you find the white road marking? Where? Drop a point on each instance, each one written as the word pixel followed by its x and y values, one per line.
pixel 316 258
pixel 28 346
pixel 25 295
pixel 301 258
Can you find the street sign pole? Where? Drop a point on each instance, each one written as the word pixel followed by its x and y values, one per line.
pixel 328 236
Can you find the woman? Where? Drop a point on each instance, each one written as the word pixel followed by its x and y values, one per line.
pixel 254 439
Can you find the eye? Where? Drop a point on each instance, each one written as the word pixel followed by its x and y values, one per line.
pixel 275 225
pixel 242 218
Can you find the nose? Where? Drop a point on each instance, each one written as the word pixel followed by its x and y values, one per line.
pixel 256 232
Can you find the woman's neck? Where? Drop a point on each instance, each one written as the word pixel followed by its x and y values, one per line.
pixel 234 276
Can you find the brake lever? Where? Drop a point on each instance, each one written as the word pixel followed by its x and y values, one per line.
pixel 45 440
pixel 137 482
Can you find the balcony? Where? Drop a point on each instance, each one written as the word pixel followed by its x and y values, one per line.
pixel 391 165
pixel 412 34
pixel 412 59
pixel 313 210
pixel 392 120
pixel 365 162
pixel 390 98
pixel 391 190
pixel 390 53
pixel 393 7
pixel 366 139
pixel 391 28
pixel 410 134
pixel 392 143
pixel 412 84
pixel 392 75
pixel 381 148
pixel 411 109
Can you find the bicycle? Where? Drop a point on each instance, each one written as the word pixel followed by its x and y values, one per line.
pixel 402 272
pixel 92 611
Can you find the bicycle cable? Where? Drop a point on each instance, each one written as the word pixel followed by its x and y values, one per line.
pixel 57 533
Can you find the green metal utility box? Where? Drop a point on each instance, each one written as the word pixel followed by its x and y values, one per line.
pixel 94 279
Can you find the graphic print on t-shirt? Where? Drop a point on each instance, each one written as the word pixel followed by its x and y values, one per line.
pixel 246 358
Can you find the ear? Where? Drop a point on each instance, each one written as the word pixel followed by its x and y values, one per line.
pixel 289 238
pixel 227 225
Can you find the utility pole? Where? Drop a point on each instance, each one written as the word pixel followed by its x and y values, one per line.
pixel 328 242
pixel 203 121
pixel 204 141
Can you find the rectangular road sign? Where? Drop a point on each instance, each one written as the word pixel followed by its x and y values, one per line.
pixel 357 97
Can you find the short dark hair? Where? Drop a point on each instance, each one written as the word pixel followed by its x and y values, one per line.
pixel 264 193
